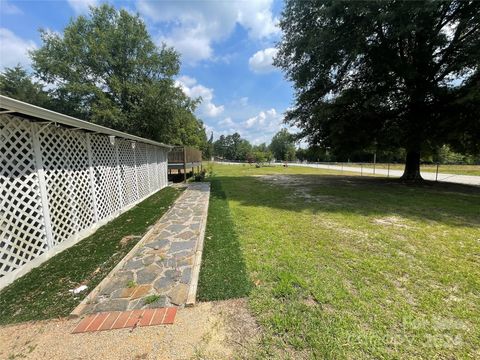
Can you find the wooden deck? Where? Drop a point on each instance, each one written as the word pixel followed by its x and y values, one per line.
pixel 183 159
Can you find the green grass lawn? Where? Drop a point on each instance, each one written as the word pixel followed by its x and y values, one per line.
pixel 351 267
pixel 452 169
pixel 223 274
pixel 43 292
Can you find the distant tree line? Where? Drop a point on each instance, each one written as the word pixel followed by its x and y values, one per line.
pixel 282 148
pixel 233 147
pixel 443 155
pixel 106 69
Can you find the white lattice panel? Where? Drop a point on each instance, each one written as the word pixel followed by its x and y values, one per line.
pixel 126 156
pixel 22 231
pixel 159 168
pixel 159 175
pixel 65 161
pixel 152 168
pixel 142 169
pixel 106 177
pixel 56 182
pixel 163 175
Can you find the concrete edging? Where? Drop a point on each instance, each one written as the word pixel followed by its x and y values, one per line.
pixel 192 291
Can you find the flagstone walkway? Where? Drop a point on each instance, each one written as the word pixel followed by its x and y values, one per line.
pixel 159 274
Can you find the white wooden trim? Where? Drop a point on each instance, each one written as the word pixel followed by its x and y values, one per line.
pixel 42 188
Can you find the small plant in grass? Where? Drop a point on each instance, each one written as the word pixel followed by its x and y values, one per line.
pixel 151 299
pixel 131 284
pixel 201 176
pixel 209 168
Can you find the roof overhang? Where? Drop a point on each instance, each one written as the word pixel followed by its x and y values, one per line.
pixel 12 106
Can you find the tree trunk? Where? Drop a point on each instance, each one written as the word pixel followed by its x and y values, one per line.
pixel 412 167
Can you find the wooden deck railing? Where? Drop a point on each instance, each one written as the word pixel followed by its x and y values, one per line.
pixel 185 155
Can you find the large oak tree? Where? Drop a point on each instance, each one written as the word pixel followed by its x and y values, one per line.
pixel 384 74
pixel 105 68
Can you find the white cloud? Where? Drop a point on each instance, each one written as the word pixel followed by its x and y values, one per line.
pixel 194 26
pixel 9 9
pixel 191 43
pixel 193 90
pixel 82 7
pixel 259 128
pixel 227 122
pixel 186 81
pixel 13 49
pixel 262 61
pixel 269 118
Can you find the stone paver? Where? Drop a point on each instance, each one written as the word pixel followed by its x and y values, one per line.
pixel 159 274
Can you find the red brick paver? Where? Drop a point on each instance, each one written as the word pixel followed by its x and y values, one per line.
pixel 135 316
pixel 108 323
pixel 170 316
pixel 126 319
pixel 97 322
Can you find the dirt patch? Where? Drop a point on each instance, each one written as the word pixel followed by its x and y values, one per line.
pixel 310 301
pixel 235 333
pixel 322 221
pixel 391 221
pixel 213 330
pixel 302 187
pixel 401 285
pixel 129 238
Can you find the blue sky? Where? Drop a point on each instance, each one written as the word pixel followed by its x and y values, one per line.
pixel 226 46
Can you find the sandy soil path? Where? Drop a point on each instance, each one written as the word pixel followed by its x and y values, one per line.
pixel 213 330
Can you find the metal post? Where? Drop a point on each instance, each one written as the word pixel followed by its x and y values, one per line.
pixel 388 170
pixel 374 162
pixel 361 169
pixel 436 175
pixel 42 185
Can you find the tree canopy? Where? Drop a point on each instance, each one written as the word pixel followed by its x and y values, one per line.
pixel 384 74
pixel 283 146
pixel 105 68
pixel 17 83
pixel 232 147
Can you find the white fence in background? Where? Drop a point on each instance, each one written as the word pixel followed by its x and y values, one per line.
pixel 58 184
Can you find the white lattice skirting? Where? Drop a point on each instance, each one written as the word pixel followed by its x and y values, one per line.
pixel 58 184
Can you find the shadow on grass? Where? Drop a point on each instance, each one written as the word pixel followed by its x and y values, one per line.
pixel 43 293
pixel 223 273
pixel 450 204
